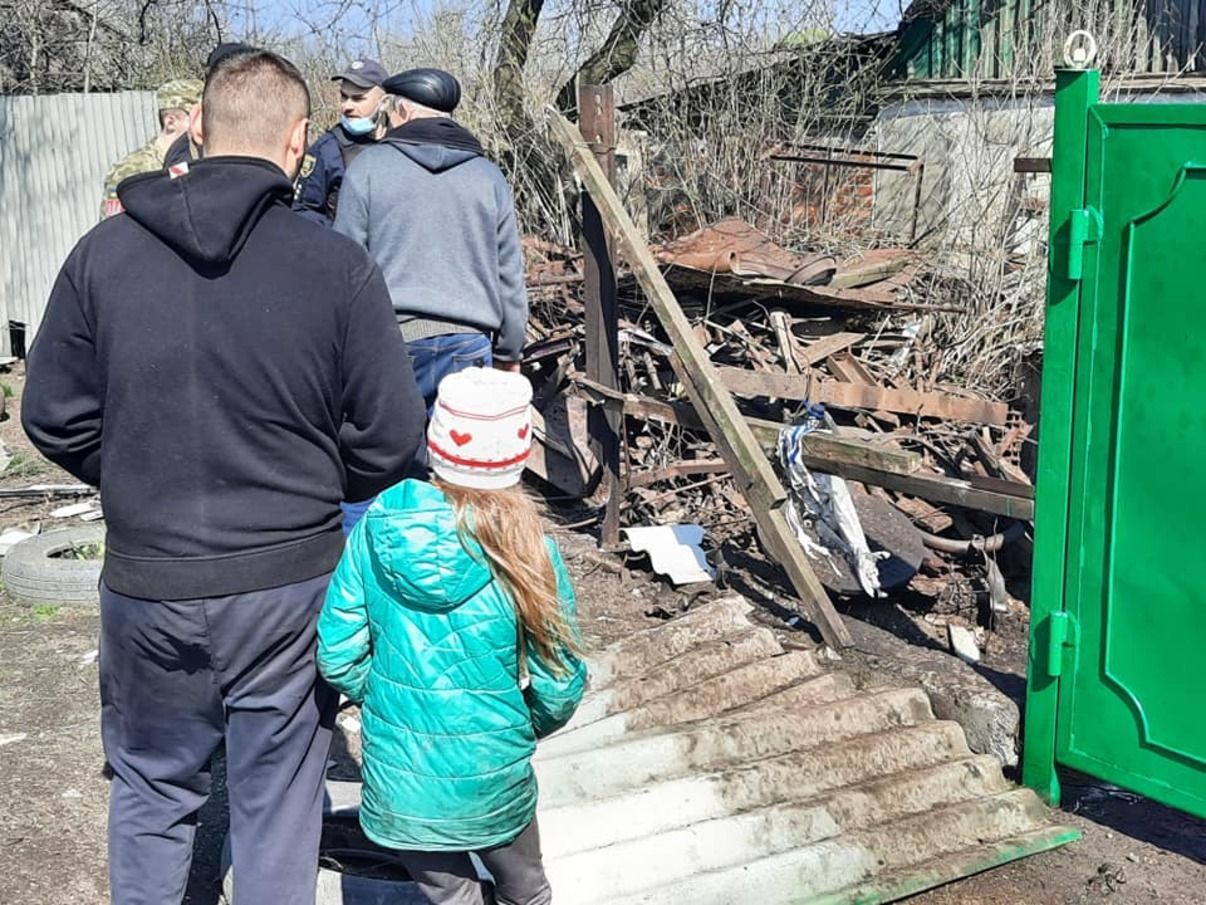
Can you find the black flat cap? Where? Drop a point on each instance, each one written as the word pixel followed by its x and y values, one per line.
pixel 224 51
pixel 432 88
pixel 363 73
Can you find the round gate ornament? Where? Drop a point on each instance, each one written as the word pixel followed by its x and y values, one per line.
pixel 1080 50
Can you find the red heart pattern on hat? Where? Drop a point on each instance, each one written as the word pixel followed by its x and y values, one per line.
pixel 523 431
pixel 460 439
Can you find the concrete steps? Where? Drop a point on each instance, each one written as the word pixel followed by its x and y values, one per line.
pixel 708 766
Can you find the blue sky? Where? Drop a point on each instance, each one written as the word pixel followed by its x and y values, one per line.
pixel 400 17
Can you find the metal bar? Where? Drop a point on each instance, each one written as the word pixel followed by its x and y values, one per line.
pixel 597 121
pixel 870 153
pixel 828 161
pixel 919 178
pixel 754 476
pixel 1032 164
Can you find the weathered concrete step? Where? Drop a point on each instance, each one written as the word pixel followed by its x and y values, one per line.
pixel 898 884
pixel 711 697
pixel 676 803
pixel 646 649
pixel 709 659
pixel 628 868
pixel 720 743
pixel 835 864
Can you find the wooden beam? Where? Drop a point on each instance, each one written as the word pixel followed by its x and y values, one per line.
pixel 683 469
pixel 821 447
pixel 847 368
pixel 1000 497
pixel 858 460
pixel 597 113
pixel 755 478
pixel 745 382
pixel 822 348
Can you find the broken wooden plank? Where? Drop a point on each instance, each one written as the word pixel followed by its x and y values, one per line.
pixel 847 457
pixel 874 266
pixel 754 476
pixel 781 323
pixel 847 368
pixel 848 395
pixel 677 470
pixel 822 348
pixel 986 495
pixel 818 447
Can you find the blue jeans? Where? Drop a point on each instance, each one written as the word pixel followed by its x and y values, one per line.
pixel 433 358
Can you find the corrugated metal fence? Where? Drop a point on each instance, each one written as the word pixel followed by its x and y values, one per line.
pixel 54 153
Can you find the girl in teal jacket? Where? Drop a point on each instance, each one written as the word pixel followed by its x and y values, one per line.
pixel 451 620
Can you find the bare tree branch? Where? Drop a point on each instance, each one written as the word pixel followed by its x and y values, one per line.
pixel 617 54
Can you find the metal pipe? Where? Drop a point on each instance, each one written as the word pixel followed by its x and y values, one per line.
pixel 990 544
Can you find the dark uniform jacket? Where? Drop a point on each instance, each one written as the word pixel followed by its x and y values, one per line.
pixel 226 418
pixel 322 172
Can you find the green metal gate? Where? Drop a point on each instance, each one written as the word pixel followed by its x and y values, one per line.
pixel 1117 681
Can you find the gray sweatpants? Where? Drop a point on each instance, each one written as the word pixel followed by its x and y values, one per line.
pixel 178 678
pixel 449 878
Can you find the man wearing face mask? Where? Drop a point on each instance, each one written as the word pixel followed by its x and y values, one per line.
pixel 226 373
pixel 360 96
pixel 174 99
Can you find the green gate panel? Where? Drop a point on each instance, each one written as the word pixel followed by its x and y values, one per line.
pixel 1120 631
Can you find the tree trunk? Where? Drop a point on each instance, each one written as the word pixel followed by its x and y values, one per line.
pixel 617 54
pixel 518 27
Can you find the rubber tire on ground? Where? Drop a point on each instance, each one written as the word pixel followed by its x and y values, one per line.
pixel 32 574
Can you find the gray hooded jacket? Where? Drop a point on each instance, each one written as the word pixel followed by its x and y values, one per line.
pixel 439 220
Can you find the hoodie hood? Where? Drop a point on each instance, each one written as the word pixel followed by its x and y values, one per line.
pixel 436 144
pixel 207 213
pixel 411 531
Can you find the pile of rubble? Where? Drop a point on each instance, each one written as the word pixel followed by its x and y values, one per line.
pixel 834 367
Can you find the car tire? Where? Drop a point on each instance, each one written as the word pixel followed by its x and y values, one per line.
pixel 33 573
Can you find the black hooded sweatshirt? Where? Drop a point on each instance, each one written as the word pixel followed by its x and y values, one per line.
pixel 226 372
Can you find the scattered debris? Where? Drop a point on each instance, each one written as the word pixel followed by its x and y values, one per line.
pixel 72 510
pixel 674 551
pixel 12 738
pixel 963 643
pixel 1109 878
pixel 89 658
pixel 48 490
pixel 11 537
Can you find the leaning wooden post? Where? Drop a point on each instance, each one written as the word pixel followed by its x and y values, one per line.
pixel 597 122
pixel 714 405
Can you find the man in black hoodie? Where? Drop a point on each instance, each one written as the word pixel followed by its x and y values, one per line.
pixel 226 372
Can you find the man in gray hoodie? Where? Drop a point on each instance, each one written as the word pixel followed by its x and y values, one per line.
pixel 438 218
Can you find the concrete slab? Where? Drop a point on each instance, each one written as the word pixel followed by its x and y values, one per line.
pixel 956 690
pixel 712 768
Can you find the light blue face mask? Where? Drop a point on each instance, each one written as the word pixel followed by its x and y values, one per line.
pixel 362 125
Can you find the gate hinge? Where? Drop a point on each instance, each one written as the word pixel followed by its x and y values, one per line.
pixel 1084 226
pixel 1061 633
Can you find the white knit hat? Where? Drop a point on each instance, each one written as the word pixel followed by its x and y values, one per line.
pixel 480 434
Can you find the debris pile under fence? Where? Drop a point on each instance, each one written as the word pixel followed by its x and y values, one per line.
pixel 843 351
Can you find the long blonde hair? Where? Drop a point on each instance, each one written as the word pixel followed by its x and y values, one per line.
pixel 509 528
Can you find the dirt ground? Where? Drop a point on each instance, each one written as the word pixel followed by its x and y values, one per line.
pixel 53 798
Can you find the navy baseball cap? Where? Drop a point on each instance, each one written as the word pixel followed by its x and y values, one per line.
pixel 363 73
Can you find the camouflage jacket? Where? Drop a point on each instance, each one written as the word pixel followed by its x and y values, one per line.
pixel 146 159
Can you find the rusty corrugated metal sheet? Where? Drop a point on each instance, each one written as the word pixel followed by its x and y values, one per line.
pixel 54 153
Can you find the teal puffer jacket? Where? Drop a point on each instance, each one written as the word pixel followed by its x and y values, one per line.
pixel 416 628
